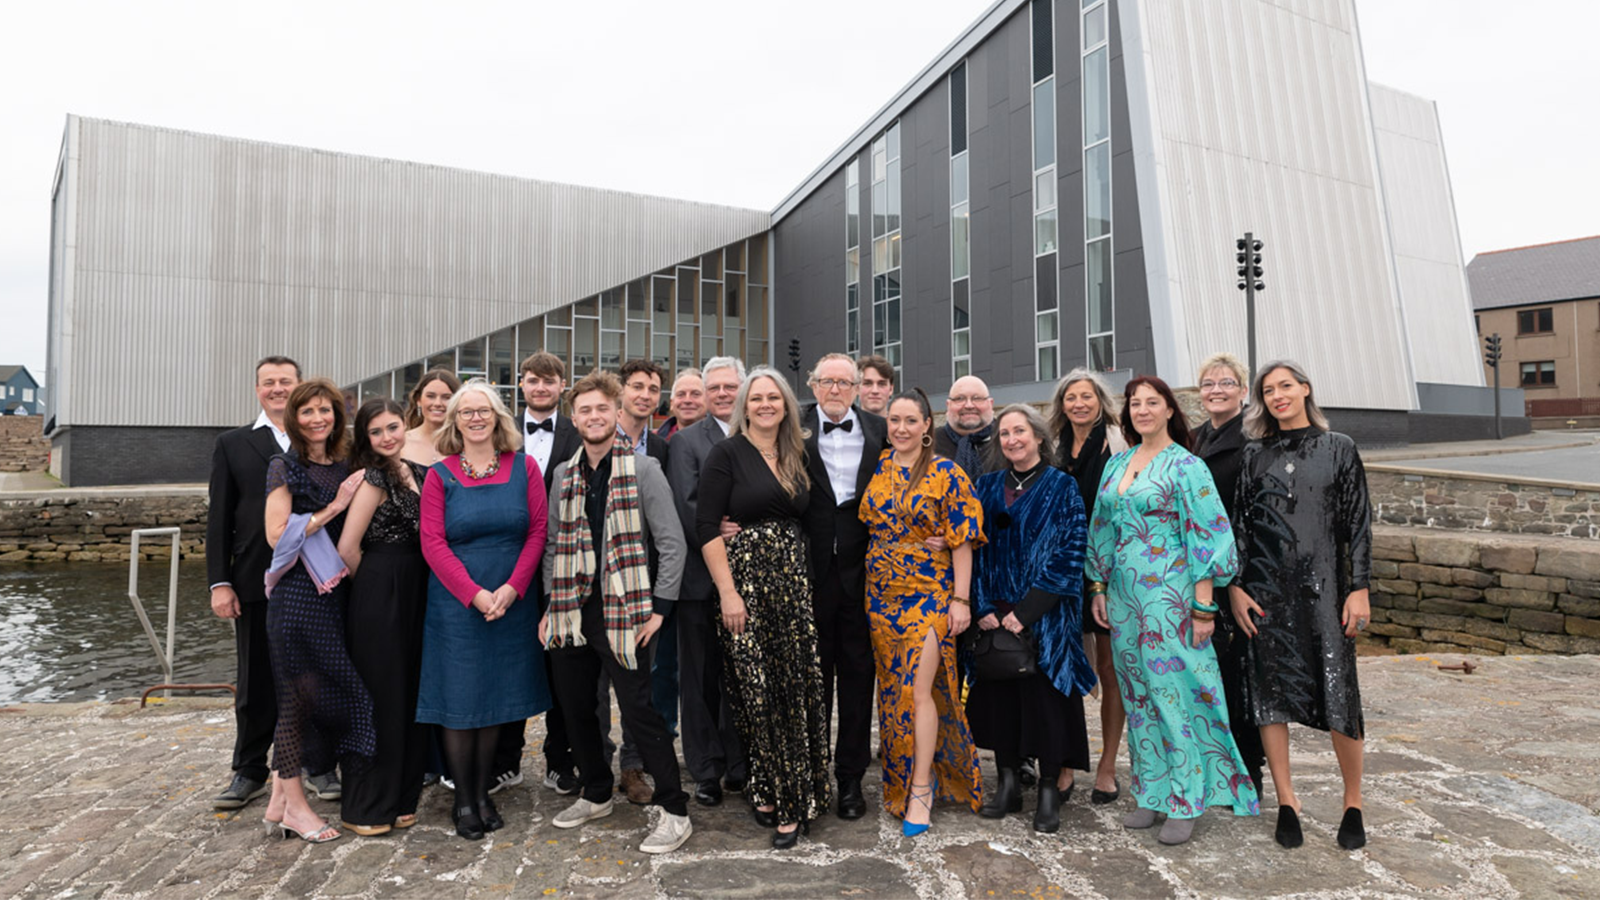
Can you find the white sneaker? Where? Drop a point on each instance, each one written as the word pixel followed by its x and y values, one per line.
pixel 669 835
pixel 580 812
pixel 505 780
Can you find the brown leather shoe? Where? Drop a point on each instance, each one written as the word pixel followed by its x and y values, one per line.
pixel 638 790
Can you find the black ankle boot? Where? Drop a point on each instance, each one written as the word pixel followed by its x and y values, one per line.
pixel 1007 797
pixel 467 823
pixel 1047 818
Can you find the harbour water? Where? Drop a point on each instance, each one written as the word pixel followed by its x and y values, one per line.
pixel 68 632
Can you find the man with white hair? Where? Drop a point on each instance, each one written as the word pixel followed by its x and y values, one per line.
pixel 711 747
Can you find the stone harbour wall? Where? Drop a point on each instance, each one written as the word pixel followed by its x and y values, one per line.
pixel 91 525
pixel 1487 503
pixel 1439 591
pixel 23 446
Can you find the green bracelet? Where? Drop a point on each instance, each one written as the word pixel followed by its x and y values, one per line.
pixel 1202 609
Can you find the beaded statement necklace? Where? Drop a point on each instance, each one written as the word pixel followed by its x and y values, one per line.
pixel 488 471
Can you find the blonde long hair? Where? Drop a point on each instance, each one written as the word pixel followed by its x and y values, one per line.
pixel 791 442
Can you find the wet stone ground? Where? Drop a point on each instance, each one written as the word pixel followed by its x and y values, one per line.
pixel 1480 786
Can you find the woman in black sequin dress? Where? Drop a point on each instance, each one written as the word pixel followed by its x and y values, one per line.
pixel 324 710
pixel 1304 532
pixel 383 620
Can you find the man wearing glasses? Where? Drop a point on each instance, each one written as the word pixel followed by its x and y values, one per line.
pixel 968 428
pixel 842 455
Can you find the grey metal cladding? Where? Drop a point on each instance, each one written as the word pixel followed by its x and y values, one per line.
pixel 350 264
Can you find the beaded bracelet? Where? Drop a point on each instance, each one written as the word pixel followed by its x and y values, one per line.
pixel 1097 587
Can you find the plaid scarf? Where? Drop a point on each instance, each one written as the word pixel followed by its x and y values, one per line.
pixel 625 572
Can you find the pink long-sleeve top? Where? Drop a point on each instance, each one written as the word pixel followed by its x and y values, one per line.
pixel 436 549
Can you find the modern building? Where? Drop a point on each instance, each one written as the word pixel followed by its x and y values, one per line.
pixel 1063 185
pixel 19 392
pixel 1544 302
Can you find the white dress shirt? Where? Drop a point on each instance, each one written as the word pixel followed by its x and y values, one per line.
pixel 725 426
pixel 539 445
pixel 278 433
pixel 841 453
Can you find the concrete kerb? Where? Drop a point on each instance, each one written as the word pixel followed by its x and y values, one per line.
pixel 1398 469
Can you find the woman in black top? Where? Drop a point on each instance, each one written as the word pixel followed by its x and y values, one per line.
pixel 383 621
pixel 1219 441
pixel 1079 413
pixel 773 677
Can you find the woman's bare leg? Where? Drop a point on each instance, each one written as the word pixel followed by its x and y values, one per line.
pixel 925 726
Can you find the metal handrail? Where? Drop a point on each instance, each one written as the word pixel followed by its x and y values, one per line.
pixel 167 656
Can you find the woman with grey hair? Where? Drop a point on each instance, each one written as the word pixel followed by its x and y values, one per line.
pixel 1028 580
pixel 757 479
pixel 1304 533
pixel 1219 442
pixel 1083 417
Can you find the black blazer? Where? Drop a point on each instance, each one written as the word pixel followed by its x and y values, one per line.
pixel 838 536
pixel 1222 449
pixel 236 532
pixel 655 447
pixel 690 447
pixel 567 442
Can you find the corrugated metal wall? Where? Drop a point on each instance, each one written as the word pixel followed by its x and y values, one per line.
pixel 1427 244
pixel 196 254
pixel 1258 121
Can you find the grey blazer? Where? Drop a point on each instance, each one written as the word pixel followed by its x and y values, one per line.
pixel 661 527
pixel 690 447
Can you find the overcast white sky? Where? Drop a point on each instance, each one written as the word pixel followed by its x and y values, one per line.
pixel 724 101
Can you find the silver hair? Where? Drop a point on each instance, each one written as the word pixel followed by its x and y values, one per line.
pixel 724 362
pixel 1258 423
pixel 1058 423
pixel 1047 443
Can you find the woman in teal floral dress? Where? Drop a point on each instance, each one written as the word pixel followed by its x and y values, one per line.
pixel 1159 544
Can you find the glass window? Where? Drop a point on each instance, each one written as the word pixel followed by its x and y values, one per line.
pixel 1096 98
pixel 960 242
pixel 687 300
pixel 1044 190
pixel 1044 41
pixel 638 341
pixel 880 205
pixel 894 250
pixel 1094 27
pixel 734 253
pixel 585 347
pixel 661 350
pixel 852 265
pixel 852 296
pixel 893 199
pixel 1536 321
pixel 1044 281
pixel 1045 327
pixel 1097 263
pixel 1097 191
pixel 709 347
pixel 1045 232
pixel 561 316
pixel 1047 363
pixel 372 387
pixel 757 271
pixel 409 376
pixel 755 311
pixel 852 331
pixel 638 300
pixel 960 297
pixel 958 180
pixel 711 266
pixel 661 298
pixel 1044 124
pixel 588 306
pixel 880 254
pixel 445 360
pixel 962 345
pixel 559 342
pixel 1100 353
pixel 958 108
pixel 963 368
pixel 501 367
pixel 611 309
pixel 1538 374
pixel 893 141
pixel 611 350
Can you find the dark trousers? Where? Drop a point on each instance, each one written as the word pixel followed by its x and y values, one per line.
pixel 1229 643
pixel 255 709
pixel 844 642
pixel 576 673
pixel 711 747
pixel 664 675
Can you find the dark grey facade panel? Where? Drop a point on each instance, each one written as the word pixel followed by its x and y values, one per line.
pixel 810 293
pixel 925 239
pixel 1135 344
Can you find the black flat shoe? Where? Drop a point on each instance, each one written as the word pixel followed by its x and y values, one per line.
pixel 852 805
pixel 1352 834
pixel 768 819
pixel 467 823
pixel 733 785
pixel 489 816
pixel 1288 832
pixel 783 840
pixel 708 792
pixel 1101 798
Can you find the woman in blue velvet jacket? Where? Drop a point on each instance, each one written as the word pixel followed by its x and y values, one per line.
pixel 1029 578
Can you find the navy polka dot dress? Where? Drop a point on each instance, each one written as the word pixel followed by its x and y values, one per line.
pixel 324 710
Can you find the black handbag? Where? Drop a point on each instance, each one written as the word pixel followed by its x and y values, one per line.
pixel 999 655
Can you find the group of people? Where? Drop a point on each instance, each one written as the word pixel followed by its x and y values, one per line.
pixel 411 590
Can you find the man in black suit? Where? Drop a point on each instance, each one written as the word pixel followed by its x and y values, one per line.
pixel 549 439
pixel 711 748
pixel 842 455
pixel 237 555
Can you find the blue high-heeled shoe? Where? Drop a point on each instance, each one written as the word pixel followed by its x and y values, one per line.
pixel 925 797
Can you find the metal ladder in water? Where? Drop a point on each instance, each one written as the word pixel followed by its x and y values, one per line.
pixel 164 656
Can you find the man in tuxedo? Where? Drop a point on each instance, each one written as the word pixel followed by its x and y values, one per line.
pixel 237 555
pixel 711 748
pixel 549 439
pixel 842 455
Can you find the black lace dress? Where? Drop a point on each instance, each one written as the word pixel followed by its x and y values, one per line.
pixel 383 625
pixel 324 710
pixel 1304 531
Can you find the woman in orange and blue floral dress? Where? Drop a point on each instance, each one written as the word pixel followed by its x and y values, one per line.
pixel 917 602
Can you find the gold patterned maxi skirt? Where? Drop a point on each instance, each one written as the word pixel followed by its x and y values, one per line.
pixel 772 674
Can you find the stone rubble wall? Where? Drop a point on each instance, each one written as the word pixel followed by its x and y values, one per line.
pixel 94 526
pixel 1488 503
pixel 23 446
pixel 1439 591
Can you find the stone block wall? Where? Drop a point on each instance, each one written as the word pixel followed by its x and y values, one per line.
pixel 74 525
pixel 1459 592
pixel 1488 503
pixel 23 446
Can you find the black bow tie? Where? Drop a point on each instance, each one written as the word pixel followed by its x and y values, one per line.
pixel 847 425
pixel 536 427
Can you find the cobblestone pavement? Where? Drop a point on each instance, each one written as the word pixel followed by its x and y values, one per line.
pixel 1480 786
